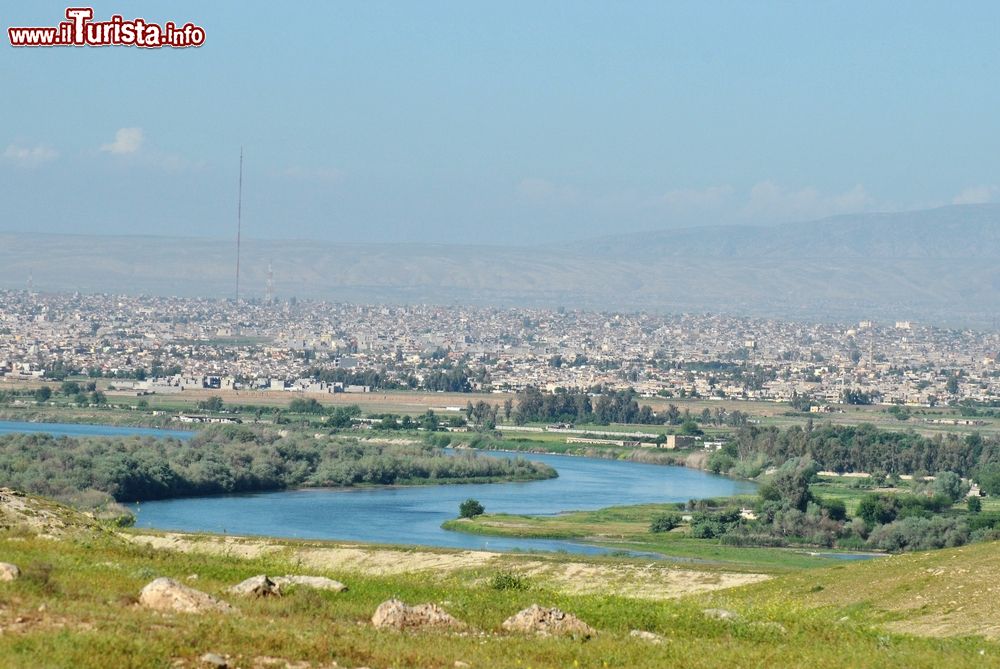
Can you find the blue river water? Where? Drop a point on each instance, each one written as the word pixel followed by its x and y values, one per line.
pixel 87 430
pixel 413 515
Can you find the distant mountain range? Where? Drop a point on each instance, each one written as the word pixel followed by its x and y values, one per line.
pixel 959 231
pixel 939 265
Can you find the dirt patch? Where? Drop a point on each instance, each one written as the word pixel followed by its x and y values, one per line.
pixel 644 581
pixel 653 581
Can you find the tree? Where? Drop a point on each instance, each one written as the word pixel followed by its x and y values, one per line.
pixel 975 504
pixel 298 405
pixel 790 485
pixel 43 394
pixel 213 403
pixel 70 388
pixel 877 509
pixel 988 478
pixel 948 484
pixel 470 508
pixel 952 384
pixel 429 421
pixel 690 428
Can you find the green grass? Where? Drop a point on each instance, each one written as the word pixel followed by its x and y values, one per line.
pixel 90 619
pixel 75 606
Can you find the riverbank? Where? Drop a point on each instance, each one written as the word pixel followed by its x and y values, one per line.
pixel 627 528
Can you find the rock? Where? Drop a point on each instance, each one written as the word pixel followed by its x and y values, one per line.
pixel 166 594
pixel 548 622
pixel 721 614
pixel 646 636
pixel 315 582
pixel 397 615
pixel 8 571
pixel 771 626
pixel 256 586
pixel 266 662
pixel 214 660
pixel 459 664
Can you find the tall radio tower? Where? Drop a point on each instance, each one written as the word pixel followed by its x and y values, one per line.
pixel 269 295
pixel 239 227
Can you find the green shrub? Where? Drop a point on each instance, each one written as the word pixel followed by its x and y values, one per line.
pixel 508 580
pixel 664 522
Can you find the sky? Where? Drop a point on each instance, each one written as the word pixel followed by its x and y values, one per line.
pixel 500 123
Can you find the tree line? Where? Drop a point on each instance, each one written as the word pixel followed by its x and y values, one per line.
pixel 860 448
pixel 604 408
pixel 229 459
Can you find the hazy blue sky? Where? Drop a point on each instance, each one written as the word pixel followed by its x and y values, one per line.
pixel 500 122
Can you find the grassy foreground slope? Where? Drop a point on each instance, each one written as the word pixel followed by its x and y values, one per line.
pixel 949 592
pixel 76 606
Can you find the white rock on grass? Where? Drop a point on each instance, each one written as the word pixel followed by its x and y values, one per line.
pixel 315 582
pixel 256 586
pixel 721 614
pixel 8 571
pixel 538 620
pixel 214 660
pixel 395 614
pixel 652 638
pixel 166 594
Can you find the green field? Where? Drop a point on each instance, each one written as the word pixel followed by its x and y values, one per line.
pixel 414 403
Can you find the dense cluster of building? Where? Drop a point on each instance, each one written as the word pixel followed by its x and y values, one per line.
pixel 159 344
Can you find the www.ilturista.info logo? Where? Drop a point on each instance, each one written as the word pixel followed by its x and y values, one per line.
pixel 81 30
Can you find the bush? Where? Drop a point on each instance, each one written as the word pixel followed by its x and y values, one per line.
pixel 917 534
pixel 664 522
pixel 508 580
pixel 720 463
pixel 470 508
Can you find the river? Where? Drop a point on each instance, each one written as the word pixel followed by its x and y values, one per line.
pixel 88 430
pixel 413 514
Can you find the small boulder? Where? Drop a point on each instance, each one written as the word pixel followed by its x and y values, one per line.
pixel 256 586
pixel 721 614
pixel 538 620
pixel 315 582
pixel 650 637
pixel 8 571
pixel 395 614
pixel 214 660
pixel 166 594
